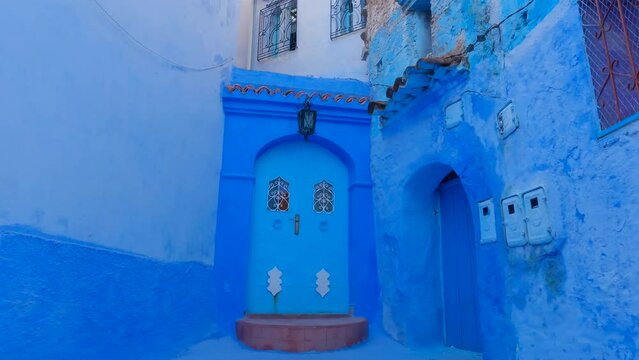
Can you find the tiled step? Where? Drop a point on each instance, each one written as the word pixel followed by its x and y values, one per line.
pixel 301 333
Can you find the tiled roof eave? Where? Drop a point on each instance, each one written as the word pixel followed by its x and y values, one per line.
pixel 422 77
pixel 298 94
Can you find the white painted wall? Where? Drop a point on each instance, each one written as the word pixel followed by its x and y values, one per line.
pixel 317 54
pixel 104 141
pixel 244 26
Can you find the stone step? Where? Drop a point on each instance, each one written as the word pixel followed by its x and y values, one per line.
pixel 301 332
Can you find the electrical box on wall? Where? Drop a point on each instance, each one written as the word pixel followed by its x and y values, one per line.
pixel 487 222
pixel 514 225
pixel 507 121
pixel 454 114
pixel 537 219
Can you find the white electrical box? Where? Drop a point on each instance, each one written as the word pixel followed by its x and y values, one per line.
pixel 487 222
pixel 454 114
pixel 537 219
pixel 514 225
pixel 507 121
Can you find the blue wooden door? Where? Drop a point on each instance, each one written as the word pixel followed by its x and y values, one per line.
pixel 459 268
pixel 299 226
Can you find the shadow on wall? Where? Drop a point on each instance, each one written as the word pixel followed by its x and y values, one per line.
pixel 420 231
pixel 440 236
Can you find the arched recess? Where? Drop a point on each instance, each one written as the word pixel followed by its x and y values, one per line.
pixel 256 121
pixel 298 258
pixel 433 265
pixel 323 142
pixel 237 194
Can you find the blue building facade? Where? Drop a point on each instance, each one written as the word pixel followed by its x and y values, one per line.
pixel 480 191
pixel 504 101
pixel 261 121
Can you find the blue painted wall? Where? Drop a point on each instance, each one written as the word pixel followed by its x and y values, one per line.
pixel 408 34
pixel 65 299
pixel 105 141
pixel 111 132
pixel 571 299
pixel 257 122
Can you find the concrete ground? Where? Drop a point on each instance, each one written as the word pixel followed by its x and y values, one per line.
pixel 378 347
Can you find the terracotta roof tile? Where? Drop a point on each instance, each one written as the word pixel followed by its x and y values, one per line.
pixel 417 78
pixel 324 96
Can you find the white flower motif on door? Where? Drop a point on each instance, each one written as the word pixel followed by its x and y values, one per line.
pixel 274 281
pixel 323 284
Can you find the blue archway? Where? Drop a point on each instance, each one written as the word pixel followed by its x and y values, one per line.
pixel 257 122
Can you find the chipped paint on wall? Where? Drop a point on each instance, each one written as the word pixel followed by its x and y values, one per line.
pixel 568 299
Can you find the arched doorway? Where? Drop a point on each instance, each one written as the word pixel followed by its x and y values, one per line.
pixel 459 274
pixel 298 259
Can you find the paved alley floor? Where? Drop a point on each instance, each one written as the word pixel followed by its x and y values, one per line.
pixel 378 347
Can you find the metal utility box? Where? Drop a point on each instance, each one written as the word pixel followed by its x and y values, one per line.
pixel 514 225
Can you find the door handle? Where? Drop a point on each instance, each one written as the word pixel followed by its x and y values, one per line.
pixel 297 224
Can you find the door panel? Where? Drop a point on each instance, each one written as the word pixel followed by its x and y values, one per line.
pixel 459 268
pixel 322 241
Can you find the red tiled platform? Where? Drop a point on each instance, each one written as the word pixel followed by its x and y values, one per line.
pixel 301 333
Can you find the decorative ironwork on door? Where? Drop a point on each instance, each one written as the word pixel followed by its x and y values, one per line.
pixel 611 29
pixel 347 16
pixel 278 195
pixel 277 29
pixel 323 198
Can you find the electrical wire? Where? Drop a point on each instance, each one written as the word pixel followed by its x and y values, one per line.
pixel 155 53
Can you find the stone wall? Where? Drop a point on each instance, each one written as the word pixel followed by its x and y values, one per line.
pixel 379 12
pixel 391 27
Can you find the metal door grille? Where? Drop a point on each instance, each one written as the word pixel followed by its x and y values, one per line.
pixel 611 29
pixel 278 195
pixel 323 197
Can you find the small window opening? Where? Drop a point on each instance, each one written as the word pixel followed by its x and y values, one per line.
pixel 511 209
pixel 534 203
pixel 323 198
pixel 278 195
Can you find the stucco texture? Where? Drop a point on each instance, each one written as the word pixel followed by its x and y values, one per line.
pixel 570 299
pixel 65 299
pixel 112 121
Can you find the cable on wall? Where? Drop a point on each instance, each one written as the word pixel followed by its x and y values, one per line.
pixel 155 53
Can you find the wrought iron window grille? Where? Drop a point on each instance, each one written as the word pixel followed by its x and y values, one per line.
pixel 611 30
pixel 324 198
pixel 347 16
pixel 277 31
pixel 278 195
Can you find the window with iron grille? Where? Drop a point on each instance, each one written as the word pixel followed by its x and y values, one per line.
pixel 347 16
pixel 278 28
pixel 278 195
pixel 611 29
pixel 323 198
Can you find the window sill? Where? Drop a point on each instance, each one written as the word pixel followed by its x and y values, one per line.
pixel 617 126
